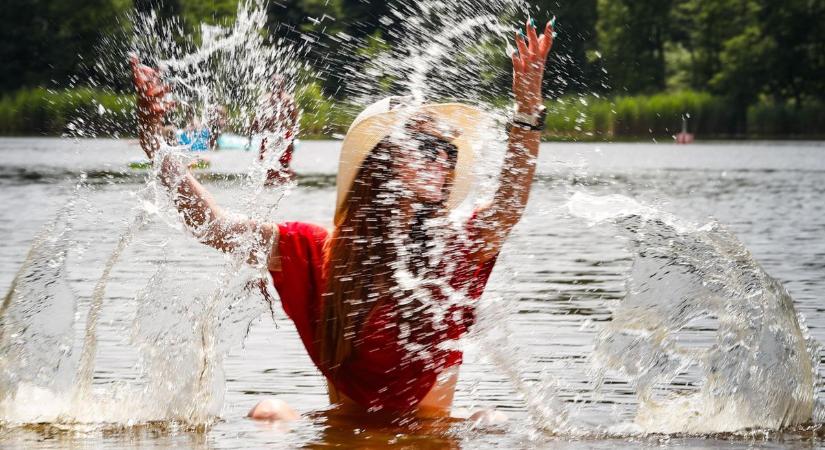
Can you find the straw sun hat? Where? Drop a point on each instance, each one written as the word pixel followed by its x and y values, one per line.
pixel 465 126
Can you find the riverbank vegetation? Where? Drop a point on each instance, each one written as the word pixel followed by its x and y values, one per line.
pixel 620 69
pixel 41 111
pixel 573 118
pixel 661 116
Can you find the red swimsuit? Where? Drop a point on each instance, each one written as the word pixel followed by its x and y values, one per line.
pixel 382 373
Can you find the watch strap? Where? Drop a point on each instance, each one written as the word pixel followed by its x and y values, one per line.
pixel 534 122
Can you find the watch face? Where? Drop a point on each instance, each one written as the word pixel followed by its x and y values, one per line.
pixel 535 121
pixel 542 115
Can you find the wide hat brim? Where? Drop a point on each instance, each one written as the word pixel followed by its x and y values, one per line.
pixel 380 120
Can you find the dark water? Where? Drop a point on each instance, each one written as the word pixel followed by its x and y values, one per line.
pixel 556 282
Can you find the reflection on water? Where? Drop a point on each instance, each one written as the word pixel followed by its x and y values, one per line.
pixel 560 283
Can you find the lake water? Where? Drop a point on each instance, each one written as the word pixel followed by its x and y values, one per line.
pixel 558 280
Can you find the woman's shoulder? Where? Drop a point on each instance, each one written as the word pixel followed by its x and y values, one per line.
pixel 305 232
pixel 303 228
pixel 300 243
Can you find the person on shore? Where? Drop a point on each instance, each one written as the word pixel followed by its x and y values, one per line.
pixel 380 300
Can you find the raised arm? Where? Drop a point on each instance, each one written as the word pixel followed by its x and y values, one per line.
pixel 497 219
pixel 207 221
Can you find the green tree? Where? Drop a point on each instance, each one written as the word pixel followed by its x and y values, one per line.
pixel 797 63
pixel 313 17
pixel 46 42
pixel 779 55
pixel 312 22
pixel 195 12
pixel 703 27
pixel 632 36
pixel 165 9
pixel 572 67
pixel 746 60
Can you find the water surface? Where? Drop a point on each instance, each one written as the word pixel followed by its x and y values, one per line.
pixel 557 279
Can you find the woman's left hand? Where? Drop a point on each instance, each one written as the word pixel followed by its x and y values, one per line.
pixel 528 66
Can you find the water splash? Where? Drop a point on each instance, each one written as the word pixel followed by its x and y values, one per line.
pixel 245 69
pixel 546 409
pixel 710 342
pixel 169 330
pixel 85 370
pixel 181 334
pixel 186 331
pixel 236 67
pixel 37 315
pixel 441 51
pixel 446 52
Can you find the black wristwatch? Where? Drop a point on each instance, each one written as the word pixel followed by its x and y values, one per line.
pixel 532 122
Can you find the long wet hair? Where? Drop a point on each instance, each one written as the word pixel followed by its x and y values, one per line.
pixel 362 254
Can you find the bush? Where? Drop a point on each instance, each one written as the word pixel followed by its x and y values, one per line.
pixel 82 112
pixel 583 117
pixel 96 112
pixel 660 116
pixel 91 112
pixel 320 116
pixel 786 120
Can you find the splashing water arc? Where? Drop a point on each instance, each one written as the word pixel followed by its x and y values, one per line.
pixel 757 371
pixel 36 317
pixel 229 66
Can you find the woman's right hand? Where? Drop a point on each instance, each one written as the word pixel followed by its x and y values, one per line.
pixel 151 104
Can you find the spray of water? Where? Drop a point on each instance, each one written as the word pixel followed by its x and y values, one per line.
pixel 441 51
pixel 234 69
pixel 85 370
pixel 547 412
pixel 37 315
pixel 708 339
pixel 458 51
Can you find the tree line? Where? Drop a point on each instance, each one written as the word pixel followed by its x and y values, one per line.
pixel 745 52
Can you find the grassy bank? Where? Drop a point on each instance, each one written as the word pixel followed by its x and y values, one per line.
pixel 587 118
pixel 660 117
pixel 91 112
pixel 54 112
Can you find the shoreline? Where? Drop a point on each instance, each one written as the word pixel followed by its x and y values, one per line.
pixel 652 140
pixel 573 118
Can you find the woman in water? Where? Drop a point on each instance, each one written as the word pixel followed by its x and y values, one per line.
pixel 380 300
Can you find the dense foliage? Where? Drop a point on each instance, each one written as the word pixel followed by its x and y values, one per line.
pixel 731 64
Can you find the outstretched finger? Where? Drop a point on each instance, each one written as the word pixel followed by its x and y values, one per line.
pixel 550 28
pixel 517 66
pixel 532 37
pixel 522 46
pixel 546 40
